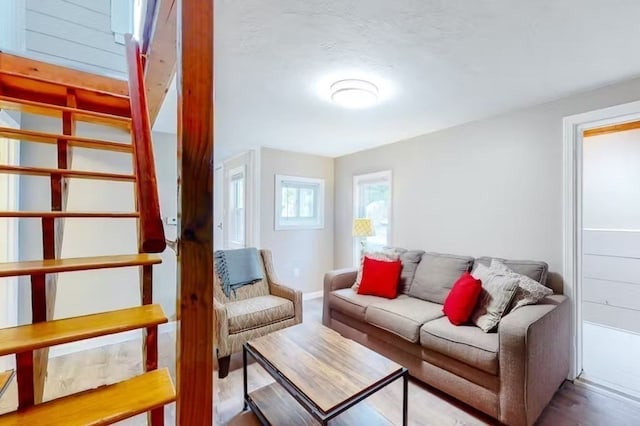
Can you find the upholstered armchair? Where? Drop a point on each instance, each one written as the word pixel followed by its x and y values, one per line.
pixel 253 311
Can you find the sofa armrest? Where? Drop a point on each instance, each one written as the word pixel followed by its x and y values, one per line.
pixel 534 358
pixel 340 278
pixel 335 280
pixel 221 327
pixel 288 293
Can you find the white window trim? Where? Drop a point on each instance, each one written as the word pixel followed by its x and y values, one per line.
pixel 366 177
pixel 318 223
pixel 240 170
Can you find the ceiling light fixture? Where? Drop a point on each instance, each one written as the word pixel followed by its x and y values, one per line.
pixel 354 93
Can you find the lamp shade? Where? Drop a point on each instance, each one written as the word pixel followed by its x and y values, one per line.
pixel 363 227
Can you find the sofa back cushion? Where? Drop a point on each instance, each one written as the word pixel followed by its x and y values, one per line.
pixel 436 274
pixel 533 269
pixel 410 260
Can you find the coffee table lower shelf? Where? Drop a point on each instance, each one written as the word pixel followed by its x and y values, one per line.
pixel 272 404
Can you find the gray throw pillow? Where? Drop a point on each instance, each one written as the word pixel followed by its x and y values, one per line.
pixel 436 274
pixel 529 291
pixel 498 290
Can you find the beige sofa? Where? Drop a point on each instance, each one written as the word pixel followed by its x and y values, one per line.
pixel 253 311
pixel 510 374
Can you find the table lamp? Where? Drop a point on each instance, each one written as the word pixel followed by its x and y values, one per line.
pixel 362 228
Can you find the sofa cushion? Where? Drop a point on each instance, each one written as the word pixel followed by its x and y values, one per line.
pixel 257 312
pixel 436 274
pixel 350 303
pixel 410 260
pixel 403 316
pixel 533 269
pixel 465 343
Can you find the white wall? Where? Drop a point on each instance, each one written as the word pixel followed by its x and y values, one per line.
pixel 75 33
pixel 95 291
pixel 309 251
pixel 491 187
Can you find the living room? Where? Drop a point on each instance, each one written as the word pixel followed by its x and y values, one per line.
pixel 456 135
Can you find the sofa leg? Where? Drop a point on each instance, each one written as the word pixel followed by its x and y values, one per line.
pixel 223 366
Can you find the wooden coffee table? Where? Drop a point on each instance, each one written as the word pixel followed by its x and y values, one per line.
pixel 324 372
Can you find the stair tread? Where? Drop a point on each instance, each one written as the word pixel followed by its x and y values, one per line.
pixel 39 171
pixel 74 141
pixel 45 108
pixel 50 333
pixel 53 214
pixel 51 266
pixel 101 406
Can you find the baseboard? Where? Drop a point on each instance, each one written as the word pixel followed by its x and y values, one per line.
pixel 112 339
pixel 312 295
pixel 607 390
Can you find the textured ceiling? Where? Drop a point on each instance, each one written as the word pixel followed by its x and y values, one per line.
pixel 438 63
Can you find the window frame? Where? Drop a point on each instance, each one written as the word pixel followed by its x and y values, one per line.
pixel 240 170
pixel 282 223
pixel 374 177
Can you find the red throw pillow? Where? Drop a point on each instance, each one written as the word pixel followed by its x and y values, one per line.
pixel 380 278
pixel 462 298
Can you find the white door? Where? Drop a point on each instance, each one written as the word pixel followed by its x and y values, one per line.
pixel 9 155
pixel 238 201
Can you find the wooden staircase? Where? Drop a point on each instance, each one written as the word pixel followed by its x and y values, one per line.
pixel 40 88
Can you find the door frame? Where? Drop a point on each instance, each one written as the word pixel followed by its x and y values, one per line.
pixel 573 128
pixel 9 288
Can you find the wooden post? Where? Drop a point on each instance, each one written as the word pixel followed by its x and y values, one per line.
pixel 195 212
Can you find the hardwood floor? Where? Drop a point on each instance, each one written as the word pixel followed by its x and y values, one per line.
pixel 572 405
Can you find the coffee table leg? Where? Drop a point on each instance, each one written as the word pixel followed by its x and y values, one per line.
pixel 244 376
pixel 405 398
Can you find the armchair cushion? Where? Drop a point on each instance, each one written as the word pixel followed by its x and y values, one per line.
pixel 257 312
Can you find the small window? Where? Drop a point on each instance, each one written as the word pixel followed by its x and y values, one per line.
pixel 299 203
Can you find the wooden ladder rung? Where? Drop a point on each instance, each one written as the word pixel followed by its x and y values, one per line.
pixel 52 109
pixel 101 406
pixel 50 333
pixel 65 214
pixel 74 141
pixel 53 266
pixel 79 174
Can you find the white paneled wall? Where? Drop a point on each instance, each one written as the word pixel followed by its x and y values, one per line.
pixel 611 278
pixel 75 33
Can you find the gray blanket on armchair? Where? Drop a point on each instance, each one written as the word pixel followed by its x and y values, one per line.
pixel 237 268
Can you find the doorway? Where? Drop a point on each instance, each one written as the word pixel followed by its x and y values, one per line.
pixel 602 245
pixel 238 193
pixel 9 200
